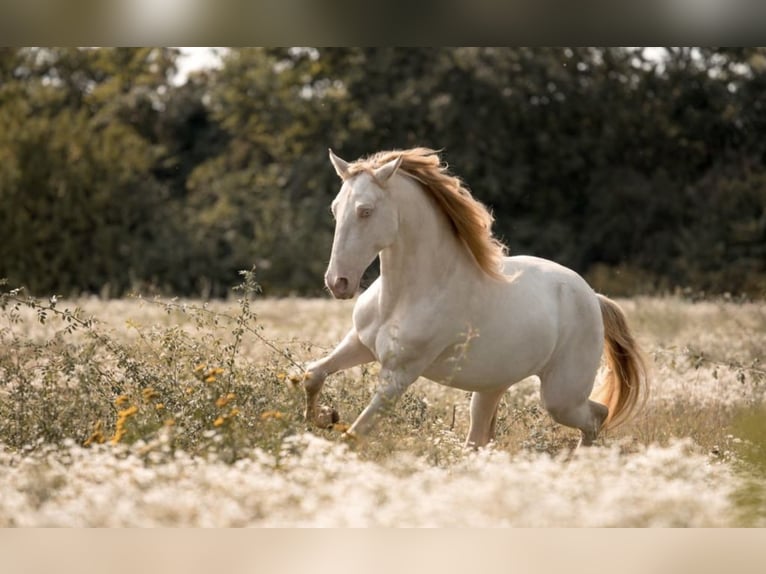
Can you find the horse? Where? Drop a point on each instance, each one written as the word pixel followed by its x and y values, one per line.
pixel 450 306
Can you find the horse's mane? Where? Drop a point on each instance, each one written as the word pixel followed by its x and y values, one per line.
pixel 470 219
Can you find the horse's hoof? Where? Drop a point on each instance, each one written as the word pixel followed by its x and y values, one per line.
pixel 326 417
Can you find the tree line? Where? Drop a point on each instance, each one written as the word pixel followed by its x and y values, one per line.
pixel 646 174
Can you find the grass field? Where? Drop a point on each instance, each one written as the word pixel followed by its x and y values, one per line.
pixel 143 413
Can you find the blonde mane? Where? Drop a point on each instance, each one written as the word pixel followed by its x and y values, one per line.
pixel 470 219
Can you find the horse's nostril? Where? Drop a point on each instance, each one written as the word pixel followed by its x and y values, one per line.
pixel 341 284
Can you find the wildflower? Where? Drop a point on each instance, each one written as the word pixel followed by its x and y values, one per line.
pixel 199 368
pixel 210 379
pixel 149 394
pixel 159 406
pixel 129 412
pixel 234 412
pixel 122 418
pixel 281 376
pixel 297 378
pixel 169 422
pixel 96 436
pixel 222 401
pixel 271 415
pixel 119 432
pixel 121 400
pixel 219 421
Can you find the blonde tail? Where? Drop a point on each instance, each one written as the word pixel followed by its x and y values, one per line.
pixel 624 389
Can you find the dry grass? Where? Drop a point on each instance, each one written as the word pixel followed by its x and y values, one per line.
pixel 210 432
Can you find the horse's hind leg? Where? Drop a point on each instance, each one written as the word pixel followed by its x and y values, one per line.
pixel 483 417
pixel 565 395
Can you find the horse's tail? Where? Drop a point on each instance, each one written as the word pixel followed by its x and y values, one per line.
pixel 624 388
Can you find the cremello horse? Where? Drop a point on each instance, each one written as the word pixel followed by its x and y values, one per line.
pixel 442 277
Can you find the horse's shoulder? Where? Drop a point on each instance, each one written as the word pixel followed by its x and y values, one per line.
pixel 366 307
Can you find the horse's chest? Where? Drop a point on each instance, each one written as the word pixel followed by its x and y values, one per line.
pixel 393 342
pixel 397 340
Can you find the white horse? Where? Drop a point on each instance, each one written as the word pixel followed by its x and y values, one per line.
pixel 444 277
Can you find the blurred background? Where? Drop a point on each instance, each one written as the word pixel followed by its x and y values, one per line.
pixel 169 170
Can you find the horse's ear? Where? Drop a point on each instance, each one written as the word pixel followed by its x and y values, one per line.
pixel 340 165
pixel 385 171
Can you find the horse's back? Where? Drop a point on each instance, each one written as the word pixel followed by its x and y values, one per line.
pixel 547 278
pixel 543 269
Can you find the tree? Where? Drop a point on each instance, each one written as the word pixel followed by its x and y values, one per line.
pixel 80 205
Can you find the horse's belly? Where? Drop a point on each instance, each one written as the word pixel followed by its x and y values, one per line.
pixel 468 379
pixel 477 367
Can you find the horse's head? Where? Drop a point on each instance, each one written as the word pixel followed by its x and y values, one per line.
pixel 366 222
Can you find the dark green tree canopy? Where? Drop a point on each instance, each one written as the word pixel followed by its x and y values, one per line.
pixel 644 173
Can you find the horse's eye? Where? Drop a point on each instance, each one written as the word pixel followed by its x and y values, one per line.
pixel 364 212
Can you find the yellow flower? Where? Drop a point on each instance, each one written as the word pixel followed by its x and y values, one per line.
pixel 159 406
pixel 234 412
pixel 118 434
pixel 199 368
pixel 281 376
pixel 297 378
pixel 271 415
pixel 97 436
pixel 222 401
pixel 219 421
pixel 149 393
pixel 169 422
pixel 121 400
pixel 122 418
pixel 210 379
pixel 129 412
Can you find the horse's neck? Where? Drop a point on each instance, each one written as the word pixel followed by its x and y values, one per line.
pixel 426 254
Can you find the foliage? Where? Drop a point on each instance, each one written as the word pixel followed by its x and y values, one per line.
pixel 190 391
pixel 646 174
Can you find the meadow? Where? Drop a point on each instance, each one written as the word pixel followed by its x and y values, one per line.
pixel 164 412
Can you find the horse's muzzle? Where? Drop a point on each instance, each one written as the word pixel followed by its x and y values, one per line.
pixel 339 287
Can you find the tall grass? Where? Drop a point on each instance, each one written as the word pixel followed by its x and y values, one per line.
pixel 191 400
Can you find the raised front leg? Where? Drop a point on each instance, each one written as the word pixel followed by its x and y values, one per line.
pixel 349 353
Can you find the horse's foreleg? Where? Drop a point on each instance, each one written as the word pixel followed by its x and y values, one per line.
pixel 393 384
pixel 349 353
